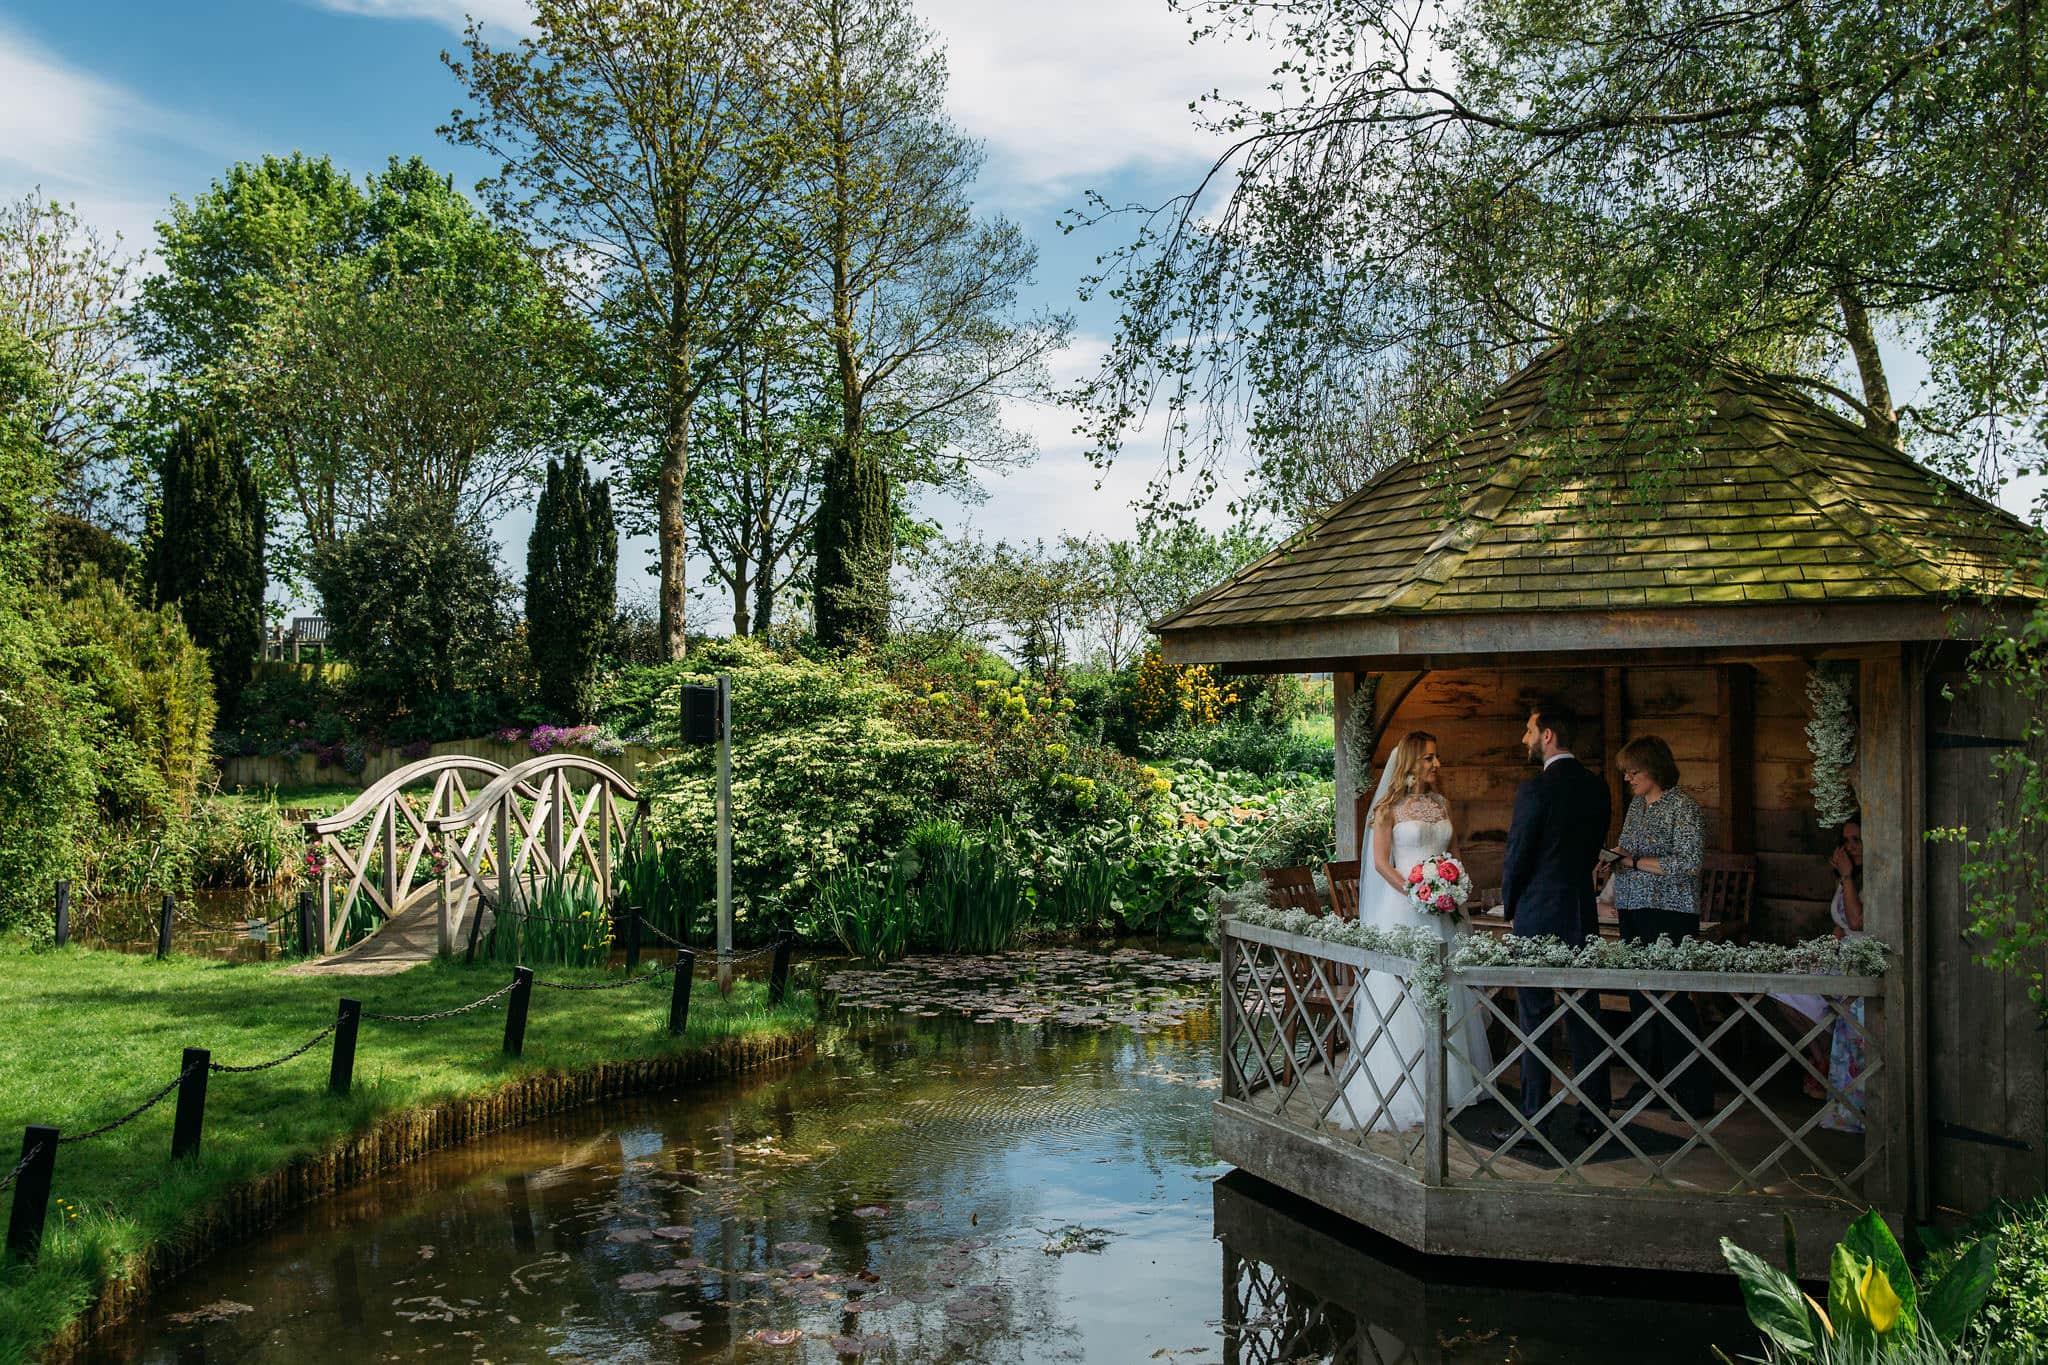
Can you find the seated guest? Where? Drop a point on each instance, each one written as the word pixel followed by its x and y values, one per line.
pixel 1655 884
pixel 1839 1051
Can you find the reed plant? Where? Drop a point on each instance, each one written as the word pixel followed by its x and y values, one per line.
pixel 945 891
pixel 558 921
pixel 668 884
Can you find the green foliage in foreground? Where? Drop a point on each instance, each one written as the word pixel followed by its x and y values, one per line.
pixel 1875 1312
pixel 84 1035
pixel 2016 1312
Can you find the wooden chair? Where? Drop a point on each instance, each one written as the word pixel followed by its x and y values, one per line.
pixel 1294 888
pixel 1727 895
pixel 1343 880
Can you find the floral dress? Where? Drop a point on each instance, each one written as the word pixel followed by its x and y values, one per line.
pixel 1844 1113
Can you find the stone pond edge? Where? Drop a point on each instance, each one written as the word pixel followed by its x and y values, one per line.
pixel 396 1140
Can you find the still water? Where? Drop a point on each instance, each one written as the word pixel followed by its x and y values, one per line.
pixel 927 1189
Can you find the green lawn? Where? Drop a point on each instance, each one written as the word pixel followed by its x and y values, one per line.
pixel 322 798
pixel 85 1035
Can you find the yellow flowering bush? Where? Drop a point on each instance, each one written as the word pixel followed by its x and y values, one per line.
pixel 1164 695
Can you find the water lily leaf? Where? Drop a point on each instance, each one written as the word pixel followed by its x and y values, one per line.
pixel 778 1336
pixel 681 1322
pixel 970 1308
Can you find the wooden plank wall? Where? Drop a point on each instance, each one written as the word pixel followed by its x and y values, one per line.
pixel 1477 717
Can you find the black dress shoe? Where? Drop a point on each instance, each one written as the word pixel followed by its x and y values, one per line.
pixel 1504 1136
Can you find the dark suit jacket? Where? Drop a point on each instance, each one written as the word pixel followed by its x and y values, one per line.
pixel 1546 883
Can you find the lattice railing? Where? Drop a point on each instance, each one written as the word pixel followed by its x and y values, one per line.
pixel 1270 1320
pixel 1349 1045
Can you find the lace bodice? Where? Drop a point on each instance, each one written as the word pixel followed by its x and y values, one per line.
pixel 1425 807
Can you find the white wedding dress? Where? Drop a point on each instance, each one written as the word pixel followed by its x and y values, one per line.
pixel 1379 1096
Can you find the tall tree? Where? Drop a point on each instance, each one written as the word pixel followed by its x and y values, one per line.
pixel 572 576
pixel 1450 186
pixel 205 549
pixel 642 141
pixel 752 493
pixel 373 341
pixel 64 290
pixel 914 296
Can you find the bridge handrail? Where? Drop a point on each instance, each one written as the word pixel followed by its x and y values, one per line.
pixel 525 777
pixel 395 781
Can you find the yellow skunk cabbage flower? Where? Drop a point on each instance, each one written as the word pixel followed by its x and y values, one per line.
pixel 1880 1304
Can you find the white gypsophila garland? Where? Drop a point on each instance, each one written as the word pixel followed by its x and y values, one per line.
pixel 1831 736
pixel 1358 729
pixel 1861 956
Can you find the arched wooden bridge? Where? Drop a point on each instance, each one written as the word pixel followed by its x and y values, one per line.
pixel 464 834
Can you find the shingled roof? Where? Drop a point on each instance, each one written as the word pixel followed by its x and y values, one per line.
pixel 1776 501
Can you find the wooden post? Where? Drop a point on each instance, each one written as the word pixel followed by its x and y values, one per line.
pixel 341 1072
pixel 558 796
pixel 327 926
pixel 679 995
pixel 1227 953
pixel 63 912
pixel 32 1192
pixel 1435 1080
pixel 1345 836
pixel 515 1010
pixel 724 833
pixel 191 1116
pixel 1613 724
pixel 508 883
pixel 778 970
pixel 305 924
pixel 607 821
pixel 632 939
pixel 1918 982
pixel 163 927
pixel 1882 734
pixel 1735 755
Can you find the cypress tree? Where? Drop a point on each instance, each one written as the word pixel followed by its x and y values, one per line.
pixel 856 547
pixel 572 574
pixel 205 551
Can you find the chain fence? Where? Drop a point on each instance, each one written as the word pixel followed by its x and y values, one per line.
pixel 711 953
pixel 133 1114
pixel 301 1050
pixel 476 1004
pixel 655 975
pixel 240 926
pixel 27 1159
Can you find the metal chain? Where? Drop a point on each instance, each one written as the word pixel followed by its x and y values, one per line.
pixel 750 954
pixel 654 975
pixel 298 1051
pixel 477 1004
pixel 22 1165
pixel 137 1112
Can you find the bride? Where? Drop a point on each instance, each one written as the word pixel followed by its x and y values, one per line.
pixel 1408 821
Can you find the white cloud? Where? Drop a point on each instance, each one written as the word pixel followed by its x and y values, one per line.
pixel 450 14
pixel 1067 91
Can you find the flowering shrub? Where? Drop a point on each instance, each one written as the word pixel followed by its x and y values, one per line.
pixel 1163 694
pixel 546 738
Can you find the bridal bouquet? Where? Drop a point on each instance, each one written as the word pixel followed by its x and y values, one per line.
pixel 1439 886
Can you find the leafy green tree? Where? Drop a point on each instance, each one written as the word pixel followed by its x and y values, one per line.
pixel 205 552
pixel 572 574
pixel 1431 194
pixel 915 297
pixel 643 142
pixel 64 289
pixel 414 602
pixel 373 342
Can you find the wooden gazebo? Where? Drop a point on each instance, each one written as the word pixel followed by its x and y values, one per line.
pixel 1783 540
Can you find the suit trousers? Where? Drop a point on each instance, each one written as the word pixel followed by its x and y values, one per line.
pixel 1590 1057
pixel 1658 1045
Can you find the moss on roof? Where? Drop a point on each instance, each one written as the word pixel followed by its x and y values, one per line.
pixel 1596 479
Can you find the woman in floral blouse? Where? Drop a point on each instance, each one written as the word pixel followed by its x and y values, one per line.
pixel 1656 886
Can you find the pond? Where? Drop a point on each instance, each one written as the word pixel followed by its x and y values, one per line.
pixel 1037 1185
pixel 215 924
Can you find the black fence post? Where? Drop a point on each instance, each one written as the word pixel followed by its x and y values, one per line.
pixel 515 1010
pixel 163 926
pixel 679 997
pixel 305 924
pixel 632 939
pixel 63 912
pixel 32 1192
pixel 342 1073
pixel 191 1115
pixel 778 970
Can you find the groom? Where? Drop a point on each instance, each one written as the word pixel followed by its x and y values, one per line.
pixel 1546 887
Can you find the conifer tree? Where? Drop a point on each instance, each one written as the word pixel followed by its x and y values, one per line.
pixel 205 551
pixel 572 572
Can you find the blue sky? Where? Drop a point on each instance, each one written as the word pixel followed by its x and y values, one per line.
pixel 118 105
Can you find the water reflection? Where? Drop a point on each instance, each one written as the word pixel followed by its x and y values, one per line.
pixel 1302 1287
pixel 907 1196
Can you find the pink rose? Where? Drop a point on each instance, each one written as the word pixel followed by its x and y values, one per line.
pixel 1414 876
pixel 1445 903
pixel 1449 870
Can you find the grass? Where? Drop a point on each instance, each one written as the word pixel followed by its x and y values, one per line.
pixel 321 798
pixel 85 1035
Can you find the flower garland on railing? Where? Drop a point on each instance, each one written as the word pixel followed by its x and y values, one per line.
pixel 1815 956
